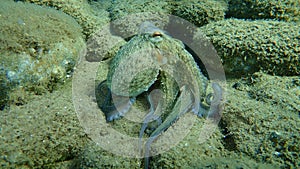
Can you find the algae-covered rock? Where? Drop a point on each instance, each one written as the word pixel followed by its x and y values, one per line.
pixel 89 18
pixel 248 46
pixel 39 47
pixel 122 8
pixel 261 119
pixel 94 157
pixel 200 12
pixel 188 153
pixel 286 10
pixel 128 15
pixel 44 133
pixel 212 153
pixel 103 45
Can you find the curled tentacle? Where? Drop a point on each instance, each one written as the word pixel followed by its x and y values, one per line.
pixel 113 106
pixel 216 103
pixel 183 104
pixel 209 98
pixel 154 101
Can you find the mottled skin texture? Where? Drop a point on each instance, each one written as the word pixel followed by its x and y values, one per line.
pixel 154 58
pixel 150 57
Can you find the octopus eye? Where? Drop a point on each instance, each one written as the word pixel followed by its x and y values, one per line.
pixel 156 33
pixel 156 37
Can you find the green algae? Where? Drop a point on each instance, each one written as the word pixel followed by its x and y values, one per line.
pixel 200 12
pixel 90 19
pixel 189 153
pixel 247 46
pixel 261 119
pixel 122 8
pixel 39 49
pixel 42 133
pixel 53 137
pixel 234 143
pixel 285 10
pixel 103 45
pixel 258 129
pixel 94 157
pixel 128 15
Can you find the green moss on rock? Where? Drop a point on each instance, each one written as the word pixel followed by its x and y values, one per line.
pixel 42 133
pixel 103 45
pixel 248 46
pixel 127 16
pixel 262 119
pixel 40 46
pixel 200 12
pixel 90 19
pixel 123 8
pixel 286 10
pixel 94 157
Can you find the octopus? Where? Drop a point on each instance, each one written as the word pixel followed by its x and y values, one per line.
pixel 154 63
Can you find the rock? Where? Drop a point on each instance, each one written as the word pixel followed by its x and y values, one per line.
pixel 42 133
pixel 40 47
pixel 123 8
pixel 200 12
pixel 89 18
pixel 103 45
pixel 94 157
pixel 285 10
pixel 262 119
pixel 249 46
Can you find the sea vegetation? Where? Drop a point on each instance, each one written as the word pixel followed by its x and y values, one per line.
pixel 90 19
pixel 40 47
pixel 200 12
pixel 284 10
pixel 247 46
